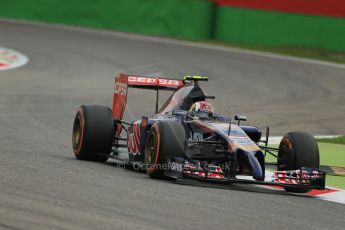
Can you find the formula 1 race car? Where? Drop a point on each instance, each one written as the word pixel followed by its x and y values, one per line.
pixel 187 139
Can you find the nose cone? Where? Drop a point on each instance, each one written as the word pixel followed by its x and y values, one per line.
pixel 254 164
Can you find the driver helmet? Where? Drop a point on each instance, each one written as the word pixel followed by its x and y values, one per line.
pixel 202 106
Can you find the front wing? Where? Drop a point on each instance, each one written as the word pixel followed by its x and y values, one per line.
pixel 306 178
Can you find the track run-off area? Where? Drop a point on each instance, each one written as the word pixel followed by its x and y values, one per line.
pixel 42 185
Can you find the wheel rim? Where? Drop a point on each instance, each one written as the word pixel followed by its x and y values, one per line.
pixel 151 150
pixel 77 132
pixel 285 149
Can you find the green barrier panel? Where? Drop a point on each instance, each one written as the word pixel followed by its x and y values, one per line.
pixel 258 27
pixel 190 19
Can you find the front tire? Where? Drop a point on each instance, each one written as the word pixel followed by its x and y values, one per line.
pixel 165 139
pixel 93 132
pixel 296 150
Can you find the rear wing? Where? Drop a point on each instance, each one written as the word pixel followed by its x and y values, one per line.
pixel 125 81
pixel 153 83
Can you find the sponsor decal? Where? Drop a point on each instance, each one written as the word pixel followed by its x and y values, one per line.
pixel 180 112
pixel 134 139
pixel 121 88
pixel 136 80
pixel 196 136
pixel 11 59
pixel 176 166
pixel 241 140
pixel 237 135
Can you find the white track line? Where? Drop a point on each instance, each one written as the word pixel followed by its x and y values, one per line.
pixel 338 197
pixel 178 42
pixel 275 140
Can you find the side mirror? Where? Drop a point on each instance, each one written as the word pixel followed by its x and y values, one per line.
pixel 240 118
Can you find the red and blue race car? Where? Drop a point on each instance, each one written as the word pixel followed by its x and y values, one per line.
pixel 187 139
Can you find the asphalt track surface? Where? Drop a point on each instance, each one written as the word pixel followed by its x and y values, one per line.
pixel 42 185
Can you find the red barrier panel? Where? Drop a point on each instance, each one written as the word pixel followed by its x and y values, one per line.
pixel 335 8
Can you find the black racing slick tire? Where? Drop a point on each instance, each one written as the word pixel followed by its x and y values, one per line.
pixel 296 150
pixel 93 132
pixel 165 139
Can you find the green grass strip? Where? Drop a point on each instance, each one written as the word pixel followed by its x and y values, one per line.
pixel 335 181
pixel 337 140
pixel 332 154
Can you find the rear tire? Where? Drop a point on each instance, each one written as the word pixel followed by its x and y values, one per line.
pixel 93 132
pixel 296 150
pixel 166 138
